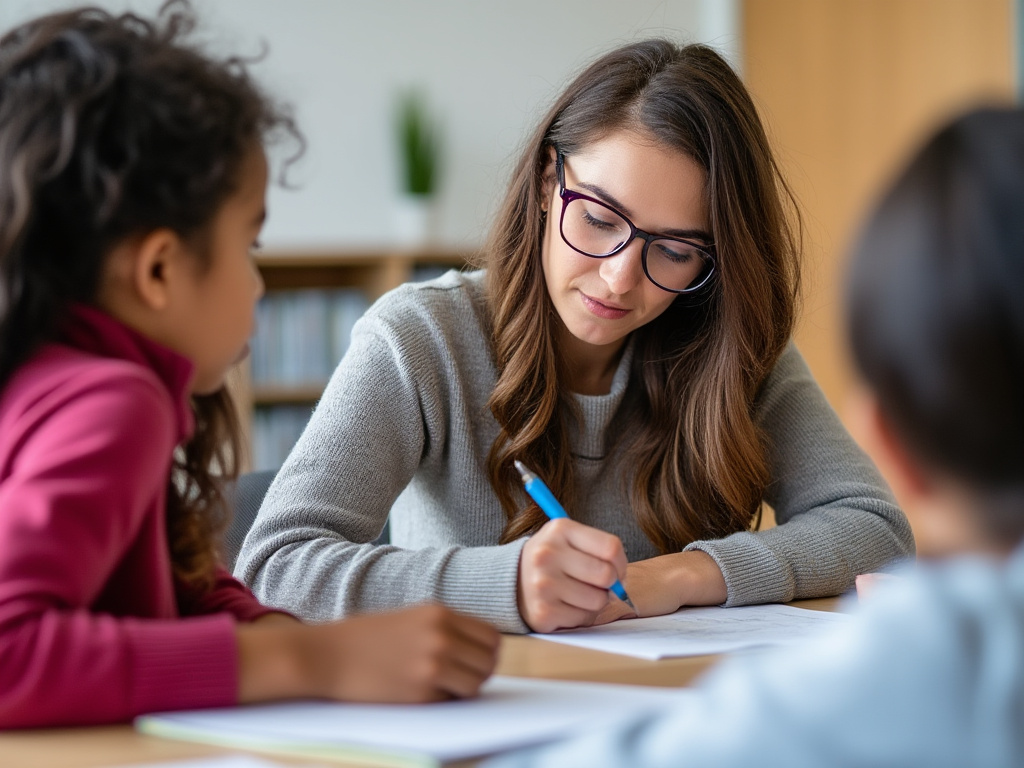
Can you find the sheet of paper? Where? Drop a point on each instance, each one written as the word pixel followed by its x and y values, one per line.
pixel 510 712
pixel 701 631
pixel 222 761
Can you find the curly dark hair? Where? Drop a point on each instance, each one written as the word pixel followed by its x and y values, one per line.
pixel 111 127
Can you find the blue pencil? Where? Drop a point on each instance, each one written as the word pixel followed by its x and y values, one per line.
pixel 549 506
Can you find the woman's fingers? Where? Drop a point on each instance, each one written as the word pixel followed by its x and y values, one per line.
pixel 564 574
pixel 603 547
pixel 588 569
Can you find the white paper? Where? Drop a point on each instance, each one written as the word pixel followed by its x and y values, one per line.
pixel 510 713
pixel 701 631
pixel 222 761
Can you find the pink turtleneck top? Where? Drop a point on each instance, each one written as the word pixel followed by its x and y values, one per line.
pixel 93 627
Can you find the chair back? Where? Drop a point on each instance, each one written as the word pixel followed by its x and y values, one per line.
pixel 245 496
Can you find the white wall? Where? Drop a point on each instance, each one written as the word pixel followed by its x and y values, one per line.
pixel 489 68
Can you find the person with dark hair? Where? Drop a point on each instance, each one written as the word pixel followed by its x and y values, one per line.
pixel 628 342
pixel 931 670
pixel 131 197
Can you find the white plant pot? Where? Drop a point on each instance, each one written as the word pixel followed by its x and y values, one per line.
pixel 414 220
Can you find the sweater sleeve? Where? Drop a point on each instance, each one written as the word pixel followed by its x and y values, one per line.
pixel 309 549
pixel 76 497
pixel 923 677
pixel 228 595
pixel 836 516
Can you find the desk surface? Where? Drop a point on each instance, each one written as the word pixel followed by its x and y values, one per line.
pixel 520 656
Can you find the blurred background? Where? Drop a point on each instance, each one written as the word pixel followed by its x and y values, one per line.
pixel 447 90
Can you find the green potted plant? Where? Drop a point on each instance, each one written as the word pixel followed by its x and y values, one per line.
pixel 418 150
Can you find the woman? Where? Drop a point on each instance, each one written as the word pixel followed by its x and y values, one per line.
pixel 628 342
pixel 931 669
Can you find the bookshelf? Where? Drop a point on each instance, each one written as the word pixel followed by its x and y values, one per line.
pixel 311 301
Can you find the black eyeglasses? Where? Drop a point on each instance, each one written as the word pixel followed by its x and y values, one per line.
pixel 595 229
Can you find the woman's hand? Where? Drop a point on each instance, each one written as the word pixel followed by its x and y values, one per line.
pixel 664 584
pixel 564 573
pixel 426 653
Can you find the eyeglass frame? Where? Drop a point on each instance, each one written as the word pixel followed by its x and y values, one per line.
pixel 569 195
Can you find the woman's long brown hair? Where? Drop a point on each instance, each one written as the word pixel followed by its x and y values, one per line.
pixel 688 434
pixel 112 127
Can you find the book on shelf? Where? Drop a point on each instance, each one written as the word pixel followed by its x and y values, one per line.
pixel 275 429
pixel 302 334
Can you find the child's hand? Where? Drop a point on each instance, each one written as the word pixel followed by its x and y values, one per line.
pixel 564 574
pixel 426 653
pixel 276 617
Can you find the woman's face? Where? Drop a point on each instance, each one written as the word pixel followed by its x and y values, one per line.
pixel 601 301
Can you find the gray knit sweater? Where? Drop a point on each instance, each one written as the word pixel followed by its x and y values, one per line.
pixel 403 430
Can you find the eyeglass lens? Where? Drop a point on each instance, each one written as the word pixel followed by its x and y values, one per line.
pixel 596 230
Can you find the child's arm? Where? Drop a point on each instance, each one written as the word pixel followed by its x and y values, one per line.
pixel 81 547
pixel 69 552
pixel 227 595
pixel 928 676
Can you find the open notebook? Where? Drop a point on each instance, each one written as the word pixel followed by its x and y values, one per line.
pixel 510 713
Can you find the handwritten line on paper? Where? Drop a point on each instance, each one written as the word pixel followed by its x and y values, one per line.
pixel 510 713
pixel 701 631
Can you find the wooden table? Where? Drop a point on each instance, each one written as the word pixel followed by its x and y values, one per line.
pixel 520 656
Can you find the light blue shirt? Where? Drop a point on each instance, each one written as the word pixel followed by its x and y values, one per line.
pixel 930 673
